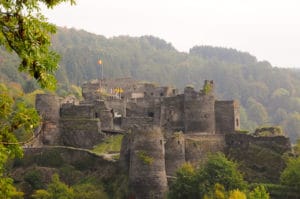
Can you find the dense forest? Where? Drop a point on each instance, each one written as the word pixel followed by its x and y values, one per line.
pixel 268 95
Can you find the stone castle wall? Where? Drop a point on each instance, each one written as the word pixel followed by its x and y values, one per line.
pixel 72 125
pixel 140 108
pixel 104 113
pixel 172 115
pixel 81 133
pixel 174 152
pixel 199 145
pixel 241 140
pixel 157 111
pixel 85 111
pixel 118 106
pixel 165 91
pixel 106 119
pixel 134 109
pixel 132 122
pixel 199 111
pixel 227 116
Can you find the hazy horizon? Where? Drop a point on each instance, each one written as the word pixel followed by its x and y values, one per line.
pixel 269 30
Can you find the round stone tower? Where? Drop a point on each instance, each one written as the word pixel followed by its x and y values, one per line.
pixel 199 109
pixel 147 173
pixel 48 107
pixel 174 152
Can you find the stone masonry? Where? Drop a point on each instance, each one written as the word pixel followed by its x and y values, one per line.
pixel 164 129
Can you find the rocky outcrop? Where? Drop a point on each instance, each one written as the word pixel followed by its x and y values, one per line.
pixel 35 169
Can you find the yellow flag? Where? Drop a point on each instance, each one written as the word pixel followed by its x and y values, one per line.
pixel 118 90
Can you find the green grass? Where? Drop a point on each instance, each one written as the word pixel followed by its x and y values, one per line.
pixel 109 145
pixel 242 131
pixel 145 158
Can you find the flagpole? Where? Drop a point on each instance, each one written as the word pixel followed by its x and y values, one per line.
pixel 100 77
pixel 102 71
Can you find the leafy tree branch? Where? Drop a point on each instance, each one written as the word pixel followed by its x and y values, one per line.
pixel 25 31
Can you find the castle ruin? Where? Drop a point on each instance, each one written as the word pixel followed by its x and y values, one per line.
pixel 163 128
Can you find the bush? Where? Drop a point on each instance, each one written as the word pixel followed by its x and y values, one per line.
pixel 195 183
pixel 89 191
pixel 34 178
pixel 51 158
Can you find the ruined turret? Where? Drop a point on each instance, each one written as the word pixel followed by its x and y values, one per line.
pixel 199 109
pixel 145 158
pixel 90 91
pixel 48 107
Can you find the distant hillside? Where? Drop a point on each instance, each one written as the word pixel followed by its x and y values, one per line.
pixel 268 95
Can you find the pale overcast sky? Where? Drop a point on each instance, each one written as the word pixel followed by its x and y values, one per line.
pixel 268 29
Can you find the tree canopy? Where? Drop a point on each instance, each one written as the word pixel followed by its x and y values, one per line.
pixel 195 183
pixel 25 31
pixel 15 118
pixel 55 190
pixel 218 178
pixel 291 175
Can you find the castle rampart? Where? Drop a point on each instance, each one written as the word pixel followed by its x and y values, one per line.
pixel 81 133
pixel 84 111
pixel 199 145
pixel 227 116
pixel 131 122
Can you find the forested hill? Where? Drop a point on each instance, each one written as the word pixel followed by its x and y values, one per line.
pixel 268 95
